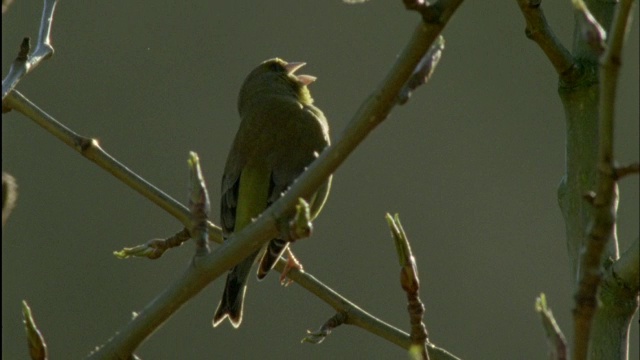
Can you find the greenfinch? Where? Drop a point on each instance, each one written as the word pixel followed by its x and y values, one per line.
pixel 281 132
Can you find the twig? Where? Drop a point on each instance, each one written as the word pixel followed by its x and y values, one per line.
pixel 410 283
pixel 90 149
pixel 155 248
pixel 199 205
pixel 626 170
pixel 25 64
pixel 35 340
pixel 318 336
pixel 605 202
pixel 555 337
pixel 540 32
pixel 351 314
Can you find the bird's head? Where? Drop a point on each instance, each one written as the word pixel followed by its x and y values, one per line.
pixel 276 77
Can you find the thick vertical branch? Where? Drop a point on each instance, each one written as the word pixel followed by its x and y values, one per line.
pixel 580 96
pixel 602 230
pixel 588 194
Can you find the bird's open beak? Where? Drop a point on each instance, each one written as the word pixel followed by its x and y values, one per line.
pixel 304 79
pixel 293 66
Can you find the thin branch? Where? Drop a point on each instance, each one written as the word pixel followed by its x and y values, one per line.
pixel 25 64
pixel 199 205
pixel 35 340
pixel 318 336
pixel 410 282
pixel 538 30
pixel 155 248
pixel 90 149
pixel 555 338
pixel 626 170
pixel 350 313
pixel 606 200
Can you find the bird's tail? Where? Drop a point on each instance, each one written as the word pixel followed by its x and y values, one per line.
pixel 235 287
pixel 271 255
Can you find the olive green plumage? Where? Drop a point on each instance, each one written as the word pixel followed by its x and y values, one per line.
pixel 281 133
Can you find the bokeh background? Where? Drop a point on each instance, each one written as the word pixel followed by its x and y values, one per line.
pixel 471 163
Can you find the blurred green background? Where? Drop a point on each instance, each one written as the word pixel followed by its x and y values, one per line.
pixel 471 163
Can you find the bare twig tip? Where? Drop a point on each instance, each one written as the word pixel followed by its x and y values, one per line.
pixel 35 340
pixel 555 337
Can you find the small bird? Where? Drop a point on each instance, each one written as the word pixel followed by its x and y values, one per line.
pixel 281 132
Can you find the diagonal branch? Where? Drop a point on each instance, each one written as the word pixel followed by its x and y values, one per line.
pixel 540 32
pixel 90 149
